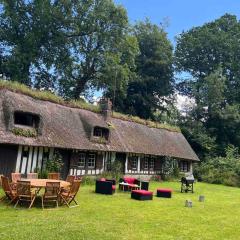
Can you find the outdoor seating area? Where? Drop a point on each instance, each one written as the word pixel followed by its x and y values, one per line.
pixel 105 186
pixel 51 191
pixel 138 188
pixel 54 192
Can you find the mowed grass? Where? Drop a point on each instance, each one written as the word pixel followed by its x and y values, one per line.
pixel 119 217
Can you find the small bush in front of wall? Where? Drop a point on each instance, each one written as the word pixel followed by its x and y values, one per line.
pixel 88 180
pixel 170 170
pixel 55 164
pixel 30 133
pixel 115 173
pixel 156 178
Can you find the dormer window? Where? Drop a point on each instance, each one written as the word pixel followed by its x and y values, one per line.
pixel 26 119
pixel 98 132
pixel 102 133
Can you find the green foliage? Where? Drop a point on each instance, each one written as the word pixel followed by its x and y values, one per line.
pixel 30 133
pixel 42 174
pixel 88 180
pixel 99 47
pixel 156 178
pixel 149 123
pixel 115 173
pixel 31 37
pixel 221 170
pixel 46 96
pixel 55 164
pixel 170 169
pixel 209 53
pixel 154 73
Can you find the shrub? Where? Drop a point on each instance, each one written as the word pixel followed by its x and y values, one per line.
pixel 115 173
pixel 55 164
pixel 156 178
pixel 221 170
pixel 88 180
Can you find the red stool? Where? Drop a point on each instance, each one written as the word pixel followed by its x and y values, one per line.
pixel 141 195
pixel 164 192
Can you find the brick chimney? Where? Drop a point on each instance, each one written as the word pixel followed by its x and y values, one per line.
pixel 106 107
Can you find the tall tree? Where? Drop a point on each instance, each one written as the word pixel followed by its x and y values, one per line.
pixel 201 50
pixel 97 41
pixel 210 54
pixel 29 36
pixel 154 73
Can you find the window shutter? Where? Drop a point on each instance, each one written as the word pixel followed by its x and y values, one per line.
pixel 99 161
pixel 142 163
pixel 157 164
pixel 74 159
pixel 129 163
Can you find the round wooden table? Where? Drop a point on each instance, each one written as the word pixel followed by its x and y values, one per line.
pixel 41 183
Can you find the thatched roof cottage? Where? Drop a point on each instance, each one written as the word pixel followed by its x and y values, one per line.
pixel 32 129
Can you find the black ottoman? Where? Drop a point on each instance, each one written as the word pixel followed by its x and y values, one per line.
pixel 142 195
pixel 164 192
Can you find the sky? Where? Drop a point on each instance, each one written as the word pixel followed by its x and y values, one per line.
pixel 181 14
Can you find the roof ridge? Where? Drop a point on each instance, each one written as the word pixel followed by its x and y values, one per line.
pixel 53 98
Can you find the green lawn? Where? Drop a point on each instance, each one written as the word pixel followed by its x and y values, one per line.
pixel 119 217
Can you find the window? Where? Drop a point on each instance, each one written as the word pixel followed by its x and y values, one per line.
pixel 184 166
pixel 26 119
pixel 101 133
pixel 146 163
pixel 151 163
pixel 82 160
pixel 98 132
pixel 134 161
pixel 91 160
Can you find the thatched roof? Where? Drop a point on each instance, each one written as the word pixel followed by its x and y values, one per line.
pixel 66 127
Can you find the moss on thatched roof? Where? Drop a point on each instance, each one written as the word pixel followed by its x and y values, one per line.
pixel 48 96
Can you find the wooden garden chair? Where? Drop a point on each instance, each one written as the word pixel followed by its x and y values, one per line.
pixel 51 193
pixel 68 196
pixel 15 177
pixel 25 193
pixel 9 192
pixel 70 179
pixel 32 176
pixel 54 176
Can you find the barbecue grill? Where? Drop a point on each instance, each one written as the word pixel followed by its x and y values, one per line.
pixel 187 184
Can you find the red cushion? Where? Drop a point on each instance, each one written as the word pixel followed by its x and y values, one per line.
pixel 103 179
pixel 143 192
pixel 164 190
pixel 113 187
pixel 129 180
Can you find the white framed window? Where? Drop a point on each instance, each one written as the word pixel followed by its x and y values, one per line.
pixel 91 160
pixel 134 162
pixel 184 166
pixel 146 163
pixel 151 163
pixel 82 160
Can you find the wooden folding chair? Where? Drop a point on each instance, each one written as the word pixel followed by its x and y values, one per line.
pixel 51 193
pixel 15 177
pixel 9 192
pixel 25 193
pixel 68 196
pixel 70 179
pixel 54 176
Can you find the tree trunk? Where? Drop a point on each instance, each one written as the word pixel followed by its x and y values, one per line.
pixel 80 87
